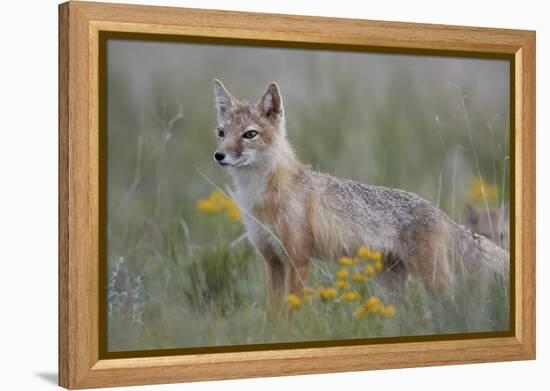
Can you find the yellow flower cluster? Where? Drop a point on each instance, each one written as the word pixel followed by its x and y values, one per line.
pixel 347 261
pixel 372 261
pixel 358 277
pixel 350 296
pixel 342 284
pixel 480 191
pixel 350 286
pixel 373 306
pixel 365 253
pixel 217 203
pixel 342 274
pixel 369 270
pixel 308 294
pixel 294 301
pixel 327 293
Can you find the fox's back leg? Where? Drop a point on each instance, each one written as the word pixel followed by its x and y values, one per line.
pixel 394 276
pixel 428 240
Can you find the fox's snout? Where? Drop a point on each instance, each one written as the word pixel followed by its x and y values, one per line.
pixel 229 151
pixel 218 156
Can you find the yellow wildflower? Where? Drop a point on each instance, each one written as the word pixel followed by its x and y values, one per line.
pixel 388 311
pixel 345 261
pixel 216 196
pixel 366 253
pixel 357 277
pixel 342 284
pixel 232 212
pixel 377 256
pixel 342 274
pixel 307 290
pixel 373 305
pixel 360 312
pixel 350 296
pixel 207 206
pixel 330 293
pixel 378 266
pixel 363 252
pixel 327 293
pixel 217 202
pixel 294 301
pixel 369 270
pixel 479 191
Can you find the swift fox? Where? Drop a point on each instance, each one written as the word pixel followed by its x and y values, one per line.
pixel 293 213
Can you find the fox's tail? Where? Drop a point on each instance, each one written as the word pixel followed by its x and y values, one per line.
pixel 479 254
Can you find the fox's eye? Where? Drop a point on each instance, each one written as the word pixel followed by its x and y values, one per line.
pixel 250 134
pixel 220 133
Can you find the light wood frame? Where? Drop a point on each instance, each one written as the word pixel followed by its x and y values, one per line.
pixel 80 23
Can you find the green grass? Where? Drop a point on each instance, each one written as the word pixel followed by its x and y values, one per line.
pixel 215 296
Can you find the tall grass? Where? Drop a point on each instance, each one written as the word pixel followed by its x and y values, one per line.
pixel 179 277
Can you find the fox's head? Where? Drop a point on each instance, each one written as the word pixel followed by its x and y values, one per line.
pixel 248 135
pixel 492 223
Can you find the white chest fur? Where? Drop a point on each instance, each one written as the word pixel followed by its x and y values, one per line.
pixel 249 188
pixel 249 193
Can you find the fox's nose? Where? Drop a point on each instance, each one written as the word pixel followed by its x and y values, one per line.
pixel 219 156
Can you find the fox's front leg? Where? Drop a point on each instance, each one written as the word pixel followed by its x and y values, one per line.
pixel 298 272
pixel 275 269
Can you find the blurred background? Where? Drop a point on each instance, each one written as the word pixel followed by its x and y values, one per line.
pixel 180 277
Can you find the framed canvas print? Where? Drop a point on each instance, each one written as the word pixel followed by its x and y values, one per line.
pixel 251 195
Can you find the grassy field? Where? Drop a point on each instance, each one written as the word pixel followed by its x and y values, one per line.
pixel 180 273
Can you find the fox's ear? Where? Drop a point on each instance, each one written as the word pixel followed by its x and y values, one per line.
pixel 471 215
pixel 224 100
pixel 271 103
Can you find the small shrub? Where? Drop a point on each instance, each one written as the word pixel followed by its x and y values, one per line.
pixel 218 278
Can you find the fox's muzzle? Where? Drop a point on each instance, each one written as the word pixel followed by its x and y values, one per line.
pixel 219 157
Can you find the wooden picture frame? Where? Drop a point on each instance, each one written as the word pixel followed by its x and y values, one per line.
pixel 81 364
